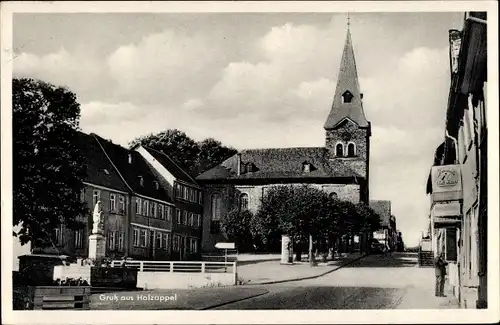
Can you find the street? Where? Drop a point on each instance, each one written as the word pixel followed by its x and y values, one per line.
pixel 374 282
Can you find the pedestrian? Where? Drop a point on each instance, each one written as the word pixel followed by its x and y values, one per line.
pixel 440 268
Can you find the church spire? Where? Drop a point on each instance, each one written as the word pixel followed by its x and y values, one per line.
pixel 347 101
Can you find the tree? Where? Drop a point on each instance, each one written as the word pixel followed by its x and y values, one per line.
pixel 174 143
pixel 47 168
pixel 194 157
pixel 211 153
pixel 236 226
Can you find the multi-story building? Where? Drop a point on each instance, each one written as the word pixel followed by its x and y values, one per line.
pixel 340 168
pixel 387 234
pixel 151 207
pixel 457 182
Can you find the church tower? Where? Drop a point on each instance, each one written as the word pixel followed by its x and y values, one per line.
pixel 347 129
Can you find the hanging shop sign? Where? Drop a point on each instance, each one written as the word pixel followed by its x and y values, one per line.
pixel 446 183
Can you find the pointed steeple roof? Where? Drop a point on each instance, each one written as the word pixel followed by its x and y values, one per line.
pixel 347 86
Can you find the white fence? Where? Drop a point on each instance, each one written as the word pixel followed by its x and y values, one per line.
pixel 179 266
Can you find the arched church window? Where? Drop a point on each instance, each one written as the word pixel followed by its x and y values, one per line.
pixel 351 150
pixel 347 97
pixel 244 201
pixel 333 195
pixel 339 150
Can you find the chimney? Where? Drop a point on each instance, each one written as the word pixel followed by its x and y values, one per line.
pixel 238 162
pixel 129 158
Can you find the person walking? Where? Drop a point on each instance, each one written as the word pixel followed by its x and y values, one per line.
pixel 440 267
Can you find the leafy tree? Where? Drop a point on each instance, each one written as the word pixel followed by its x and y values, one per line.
pixel 194 157
pixel 211 153
pixel 176 144
pixel 236 226
pixel 369 220
pixel 47 168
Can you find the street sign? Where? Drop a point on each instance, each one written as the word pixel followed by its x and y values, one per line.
pixel 225 246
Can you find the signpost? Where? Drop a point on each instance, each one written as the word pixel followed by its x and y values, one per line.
pixel 225 247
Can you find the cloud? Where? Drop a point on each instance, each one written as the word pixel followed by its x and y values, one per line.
pixel 82 74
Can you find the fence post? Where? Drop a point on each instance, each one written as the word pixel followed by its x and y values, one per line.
pixel 171 267
pixel 141 266
pixel 202 267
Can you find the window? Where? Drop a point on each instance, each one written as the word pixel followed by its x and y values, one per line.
pixel 145 207
pixel 82 195
pixel 161 211
pixel 112 202
pixel 141 180
pixel 138 206
pixel 143 238
pixel 215 209
pixel 159 240
pixel 175 244
pixel 191 219
pixel 333 195
pixel 111 240
pixel 339 150
pixel 347 97
pixel 169 212
pixel 199 220
pixel 121 240
pixel 306 168
pixel 185 193
pixel 193 243
pixel 152 209
pixel 121 204
pixel 156 185
pixel 244 201
pixel 186 216
pixel 351 150
pixel 96 197
pixel 136 236
pixel 79 238
pixel 166 238
pixel 178 191
pixel 200 197
pixel 178 215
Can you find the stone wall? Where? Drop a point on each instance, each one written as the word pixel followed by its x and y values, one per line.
pixel 349 132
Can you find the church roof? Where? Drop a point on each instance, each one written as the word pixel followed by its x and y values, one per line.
pixel 280 163
pixel 170 165
pixel 347 81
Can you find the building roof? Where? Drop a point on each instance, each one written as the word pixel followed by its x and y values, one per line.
pixel 347 81
pixel 280 163
pixel 170 165
pixel 100 171
pixel 383 209
pixel 133 171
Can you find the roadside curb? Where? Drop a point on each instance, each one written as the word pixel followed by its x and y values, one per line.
pixel 247 262
pixel 233 301
pixel 308 277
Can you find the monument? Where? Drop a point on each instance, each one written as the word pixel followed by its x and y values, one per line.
pixel 97 241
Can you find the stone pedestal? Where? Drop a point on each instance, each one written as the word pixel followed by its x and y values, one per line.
pixel 97 246
pixel 286 250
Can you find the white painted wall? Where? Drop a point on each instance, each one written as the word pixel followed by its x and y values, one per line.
pixel 174 280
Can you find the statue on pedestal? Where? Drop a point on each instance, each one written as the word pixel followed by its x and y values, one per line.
pixel 98 226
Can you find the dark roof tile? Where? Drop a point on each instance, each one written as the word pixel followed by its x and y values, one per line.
pixel 278 163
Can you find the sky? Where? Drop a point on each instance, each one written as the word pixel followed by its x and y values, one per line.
pixel 255 80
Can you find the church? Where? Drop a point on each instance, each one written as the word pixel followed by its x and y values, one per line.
pixel 340 168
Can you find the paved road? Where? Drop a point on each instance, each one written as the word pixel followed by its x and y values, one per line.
pixel 374 282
